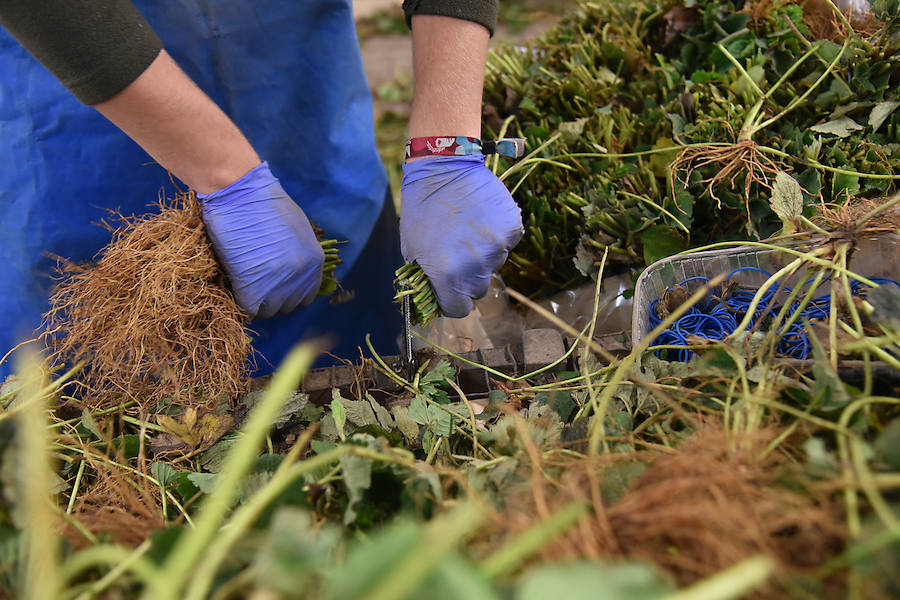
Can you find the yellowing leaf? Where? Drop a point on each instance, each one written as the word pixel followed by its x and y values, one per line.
pixel 197 432
pixel 787 200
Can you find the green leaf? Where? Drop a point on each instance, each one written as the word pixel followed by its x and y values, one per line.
pixel 881 112
pixel 618 478
pixel 529 105
pixel 562 404
pixel 356 471
pixel 320 447
pixel 454 579
pixel 623 420
pixel 294 551
pixel 88 422
pixel 829 392
pixel 418 410
pixel 885 299
pixel 660 241
pixel 407 426
pixel 887 444
pixel 292 406
pixel 700 76
pixel 817 455
pixel 437 374
pixel 164 473
pixel 367 564
pixel 338 413
pixel 787 200
pixel 213 459
pixel 204 481
pixel 381 413
pixel 844 186
pixel 356 412
pixel 590 581
pixel 840 127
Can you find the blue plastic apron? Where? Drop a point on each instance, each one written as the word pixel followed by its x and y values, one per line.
pixel 290 75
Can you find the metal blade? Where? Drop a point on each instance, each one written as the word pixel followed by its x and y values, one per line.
pixel 409 359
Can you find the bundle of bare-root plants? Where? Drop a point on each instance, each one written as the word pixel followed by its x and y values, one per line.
pixel 152 320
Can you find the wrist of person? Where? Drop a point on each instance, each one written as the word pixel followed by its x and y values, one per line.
pixel 257 177
pixel 459 146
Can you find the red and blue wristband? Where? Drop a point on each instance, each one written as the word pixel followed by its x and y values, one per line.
pixel 461 145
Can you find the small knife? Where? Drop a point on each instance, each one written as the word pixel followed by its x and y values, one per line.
pixel 408 357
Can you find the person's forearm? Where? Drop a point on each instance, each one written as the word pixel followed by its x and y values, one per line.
pixel 180 127
pixel 449 57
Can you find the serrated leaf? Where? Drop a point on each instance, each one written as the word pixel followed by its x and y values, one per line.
pixel 213 458
pixel 623 420
pixel 407 426
pixel 881 112
pixel 252 483
pixel 206 482
pixel 381 413
pixel 437 374
pixel 787 200
pixel 164 473
pixel 294 405
pixel 418 410
pixel 356 471
pixel 839 127
pixel 359 412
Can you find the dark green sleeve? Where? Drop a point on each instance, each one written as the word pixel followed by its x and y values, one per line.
pixel 483 12
pixel 94 47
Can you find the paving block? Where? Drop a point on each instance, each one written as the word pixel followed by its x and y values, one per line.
pixel 541 347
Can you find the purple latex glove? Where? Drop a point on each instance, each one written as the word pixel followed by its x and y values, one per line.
pixel 459 223
pixel 265 244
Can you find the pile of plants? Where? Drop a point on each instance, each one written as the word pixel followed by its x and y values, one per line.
pixel 738 474
pixel 735 475
pixel 659 126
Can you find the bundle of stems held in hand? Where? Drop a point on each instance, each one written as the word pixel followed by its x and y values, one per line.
pixel 332 260
pixel 412 281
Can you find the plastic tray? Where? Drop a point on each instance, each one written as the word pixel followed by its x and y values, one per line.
pixel 874 257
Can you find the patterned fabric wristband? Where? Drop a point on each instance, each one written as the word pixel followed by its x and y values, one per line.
pixel 461 145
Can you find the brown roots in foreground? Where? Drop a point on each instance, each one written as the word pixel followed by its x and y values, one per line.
pixel 693 512
pixel 152 318
pixel 741 159
pixel 117 509
pixel 824 24
pixel 845 218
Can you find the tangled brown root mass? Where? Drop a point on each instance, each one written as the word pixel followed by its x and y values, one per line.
pixel 152 318
pixel 696 511
pixel 126 513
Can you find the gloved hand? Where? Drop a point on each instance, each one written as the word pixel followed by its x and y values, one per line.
pixel 265 244
pixel 459 222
